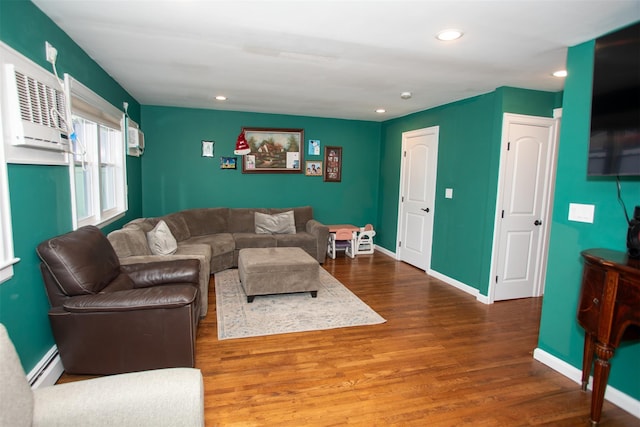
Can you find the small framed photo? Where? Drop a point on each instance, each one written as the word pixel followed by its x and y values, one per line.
pixel 207 148
pixel 314 147
pixel 313 168
pixel 228 162
pixel 332 164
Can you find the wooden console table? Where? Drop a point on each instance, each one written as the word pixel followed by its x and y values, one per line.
pixel 609 312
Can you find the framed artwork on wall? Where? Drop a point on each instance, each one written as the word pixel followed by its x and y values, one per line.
pixel 313 168
pixel 207 148
pixel 273 150
pixel 314 147
pixel 228 162
pixel 332 164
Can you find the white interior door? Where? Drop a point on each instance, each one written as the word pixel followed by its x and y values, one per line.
pixel 417 196
pixel 523 205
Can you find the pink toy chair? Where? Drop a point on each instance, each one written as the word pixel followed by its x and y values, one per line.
pixel 342 239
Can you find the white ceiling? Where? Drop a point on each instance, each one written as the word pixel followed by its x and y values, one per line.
pixel 340 59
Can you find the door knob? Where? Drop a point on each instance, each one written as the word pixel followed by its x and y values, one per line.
pixel 537 222
pixel 424 209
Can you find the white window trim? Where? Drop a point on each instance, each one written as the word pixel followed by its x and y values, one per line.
pixel 7 258
pixel 76 90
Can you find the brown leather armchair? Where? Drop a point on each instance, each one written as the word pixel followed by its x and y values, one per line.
pixel 109 318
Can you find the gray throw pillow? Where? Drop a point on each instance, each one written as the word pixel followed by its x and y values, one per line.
pixel 282 223
pixel 161 241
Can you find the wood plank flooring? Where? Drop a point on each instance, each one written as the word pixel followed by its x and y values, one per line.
pixel 441 359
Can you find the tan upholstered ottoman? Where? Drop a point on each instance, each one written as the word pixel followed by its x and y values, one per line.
pixel 266 271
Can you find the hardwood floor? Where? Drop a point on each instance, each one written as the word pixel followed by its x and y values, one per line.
pixel 441 359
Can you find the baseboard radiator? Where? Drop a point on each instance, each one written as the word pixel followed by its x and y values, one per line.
pixel 47 370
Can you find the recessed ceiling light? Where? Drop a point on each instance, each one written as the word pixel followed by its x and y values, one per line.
pixel 381 110
pixel 221 98
pixel 560 73
pixel 449 35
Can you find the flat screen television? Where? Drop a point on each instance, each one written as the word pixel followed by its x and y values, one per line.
pixel 614 147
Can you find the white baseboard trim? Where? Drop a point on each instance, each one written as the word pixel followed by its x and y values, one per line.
pixel 448 280
pixel 47 370
pixel 613 395
pixel 462 286
pixel 385 251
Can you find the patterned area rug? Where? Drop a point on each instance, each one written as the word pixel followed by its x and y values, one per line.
pixel 335 307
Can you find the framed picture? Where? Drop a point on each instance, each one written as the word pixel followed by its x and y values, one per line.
pixel 332 164
pixel 313 168
pixel 273 150
pixel 207 148
pixel 314 147
pixel 228 162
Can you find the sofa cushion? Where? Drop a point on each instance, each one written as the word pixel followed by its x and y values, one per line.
pixel 281 223
pixel 205 221
pixel 129 241
pixel 302 240
pixel 220 243
pixel 121 283
pixel 70 258
pixel 161 241
pixel 177 225
pixel 241 220
pixel 301 215
pixel 145 224
pixel 252 240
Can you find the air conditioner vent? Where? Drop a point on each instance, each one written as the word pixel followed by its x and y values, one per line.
pixel 34 111
pixel 40 104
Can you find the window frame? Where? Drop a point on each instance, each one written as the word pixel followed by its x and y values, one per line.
pixel 7 258
pixel 90 107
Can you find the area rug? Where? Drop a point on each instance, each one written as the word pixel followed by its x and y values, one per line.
pixel 335 307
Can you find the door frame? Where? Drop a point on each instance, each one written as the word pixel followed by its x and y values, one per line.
pixel 543 250
pixel 405 136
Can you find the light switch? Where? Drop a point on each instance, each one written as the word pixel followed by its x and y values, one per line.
pixel 581 213
pixel 448 193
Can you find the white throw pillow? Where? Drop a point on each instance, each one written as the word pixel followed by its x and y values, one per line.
pixel 282 223
pixel 161 241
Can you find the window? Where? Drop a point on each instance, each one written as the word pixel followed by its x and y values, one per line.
pixel 6 235
pixel 98 175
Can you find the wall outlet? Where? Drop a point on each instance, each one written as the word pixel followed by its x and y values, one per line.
pixel 51 52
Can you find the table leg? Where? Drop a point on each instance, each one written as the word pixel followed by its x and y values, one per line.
pixel 600 377
pixel 351 250
pixel 587 359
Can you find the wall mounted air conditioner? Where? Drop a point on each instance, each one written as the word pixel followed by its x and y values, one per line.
pixel 33 112
pixel 135 139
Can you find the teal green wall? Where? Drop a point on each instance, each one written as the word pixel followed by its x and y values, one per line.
pixel 175 175
pixel 560 334
pixel 23 302
pixel 468 160
pixel 40 196
pixel 172 175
